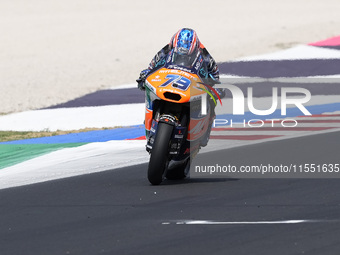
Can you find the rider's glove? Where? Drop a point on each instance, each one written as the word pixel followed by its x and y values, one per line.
pixel 212 81
pixel 140 84
pixel 220 92
pixel 141 79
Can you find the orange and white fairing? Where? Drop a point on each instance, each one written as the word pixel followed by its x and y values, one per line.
pixel 178 87
pixel 175 85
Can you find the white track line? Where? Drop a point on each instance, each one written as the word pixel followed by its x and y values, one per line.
pixel 210 222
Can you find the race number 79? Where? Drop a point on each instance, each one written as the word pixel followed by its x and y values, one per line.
pixel 181 82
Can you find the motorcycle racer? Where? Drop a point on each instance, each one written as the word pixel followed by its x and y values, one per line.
pixel 184 47
pixel 184 44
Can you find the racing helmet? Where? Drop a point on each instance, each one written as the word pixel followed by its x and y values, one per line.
pixel 185 42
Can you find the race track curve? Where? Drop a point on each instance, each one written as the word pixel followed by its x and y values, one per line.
pixel 119 212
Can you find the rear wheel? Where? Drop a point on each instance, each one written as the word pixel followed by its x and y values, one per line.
pixel 159 158
pixel 179 172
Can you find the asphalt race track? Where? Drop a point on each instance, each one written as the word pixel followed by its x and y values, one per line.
pixel 119 212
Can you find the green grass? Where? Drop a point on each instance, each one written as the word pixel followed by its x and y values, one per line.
pixel 11 154
pixel 6 136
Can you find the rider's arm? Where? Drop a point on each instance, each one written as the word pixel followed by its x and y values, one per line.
pixel 159 56
pixel 156 61
pixel 213 70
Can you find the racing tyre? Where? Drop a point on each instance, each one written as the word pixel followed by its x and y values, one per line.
pixel 159 158
pixel 179 172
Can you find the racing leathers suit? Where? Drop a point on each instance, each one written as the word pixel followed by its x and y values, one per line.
pixel 159 60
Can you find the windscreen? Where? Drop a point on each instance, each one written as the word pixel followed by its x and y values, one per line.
pixel 182 60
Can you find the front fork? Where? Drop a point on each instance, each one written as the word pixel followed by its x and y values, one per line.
pixel 177 137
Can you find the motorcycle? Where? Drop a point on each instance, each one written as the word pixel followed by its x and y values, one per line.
pixel 175 126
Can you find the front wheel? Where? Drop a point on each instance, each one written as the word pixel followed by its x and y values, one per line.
pixel 160 153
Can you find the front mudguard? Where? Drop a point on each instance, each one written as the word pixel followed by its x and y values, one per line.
pixel 178 136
